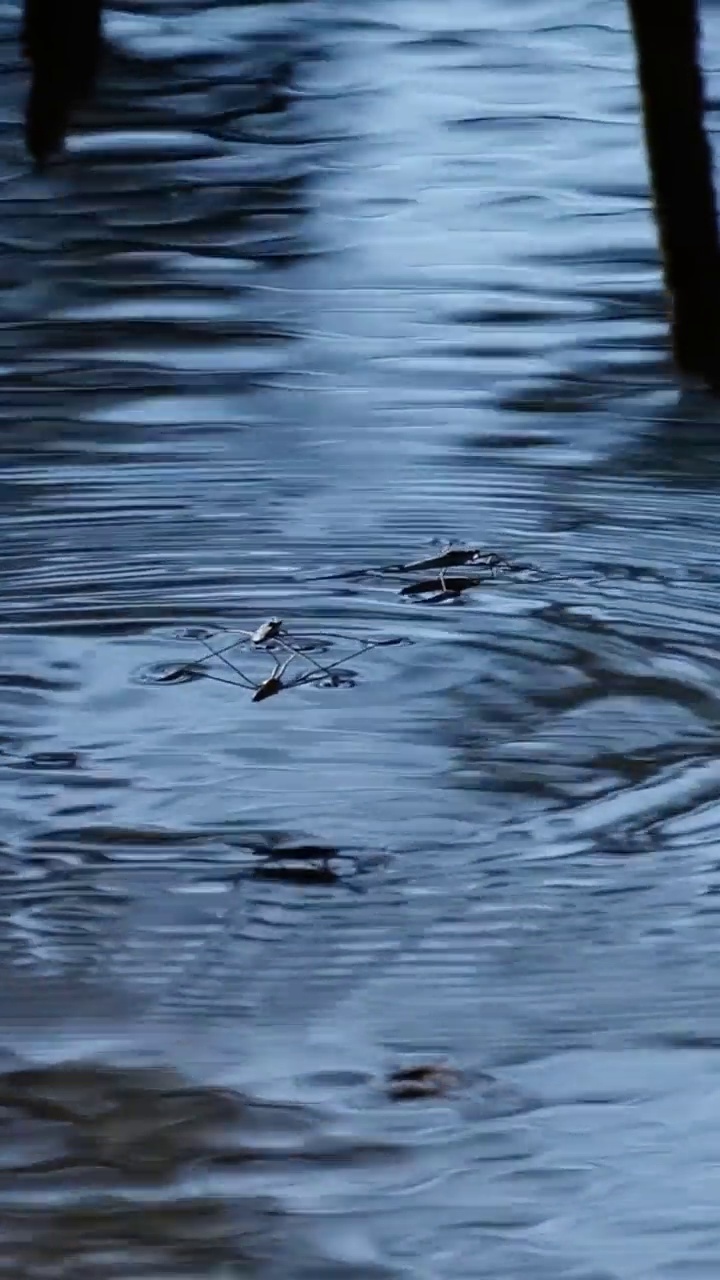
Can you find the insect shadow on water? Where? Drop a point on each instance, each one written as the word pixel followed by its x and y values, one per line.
pixel 284 647
pixel 299 864
pixel 442 587
pixel 422 1080
pixel 59 760
pixel 309 863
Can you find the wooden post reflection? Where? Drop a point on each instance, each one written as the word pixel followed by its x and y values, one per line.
pixel 62 41
pixel 667 43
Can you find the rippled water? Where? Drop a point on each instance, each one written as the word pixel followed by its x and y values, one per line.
pixel 319 285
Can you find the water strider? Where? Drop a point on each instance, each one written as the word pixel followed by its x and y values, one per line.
pixel 270 636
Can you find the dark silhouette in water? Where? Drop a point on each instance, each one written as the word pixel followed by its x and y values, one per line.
pixel 63 40
pixel 667 44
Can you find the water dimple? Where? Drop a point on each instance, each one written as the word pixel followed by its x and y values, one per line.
pixel 169 673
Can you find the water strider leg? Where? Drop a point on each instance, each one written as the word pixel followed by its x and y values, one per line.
pixel 220 653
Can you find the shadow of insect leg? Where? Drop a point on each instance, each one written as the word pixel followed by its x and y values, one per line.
pixel 220 653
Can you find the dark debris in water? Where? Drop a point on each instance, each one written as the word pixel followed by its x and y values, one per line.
pixel 55 760
pixel 423 1080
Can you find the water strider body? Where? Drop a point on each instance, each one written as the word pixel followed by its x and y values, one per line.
pixel 450 558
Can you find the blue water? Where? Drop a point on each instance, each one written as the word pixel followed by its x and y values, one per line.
pixel 318 287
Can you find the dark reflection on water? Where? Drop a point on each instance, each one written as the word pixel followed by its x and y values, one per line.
pixel 318 287
pixel 135 1171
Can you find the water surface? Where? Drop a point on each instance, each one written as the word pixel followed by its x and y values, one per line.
pixel 316 286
